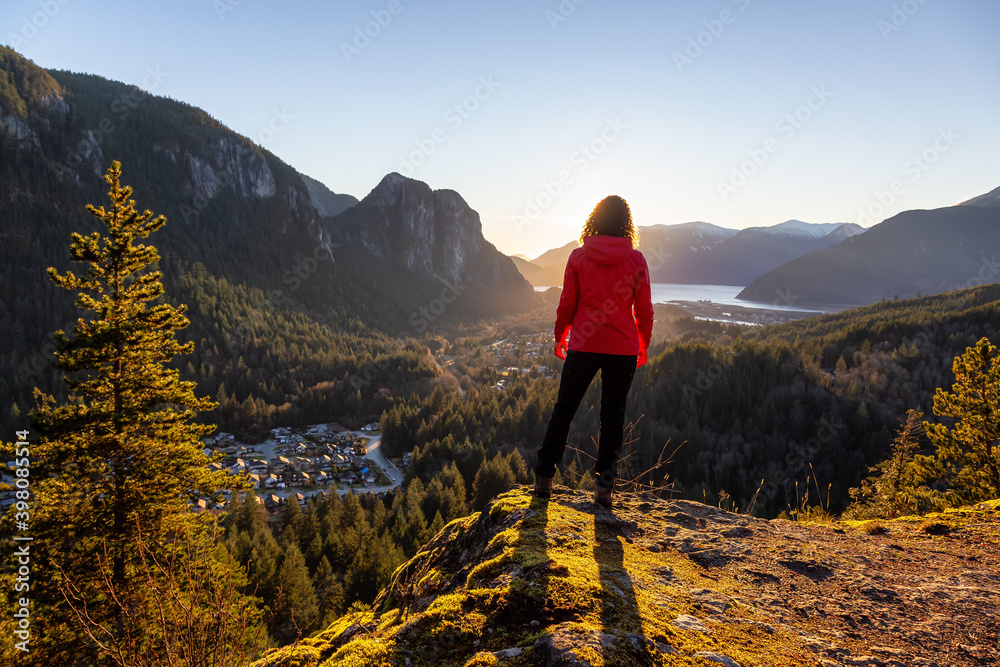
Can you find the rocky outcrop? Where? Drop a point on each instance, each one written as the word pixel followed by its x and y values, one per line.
pixel 19 131
pixel 230 162
pixel 654 582
pixel 434 233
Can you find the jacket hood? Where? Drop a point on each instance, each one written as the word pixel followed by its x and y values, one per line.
pixel 608 250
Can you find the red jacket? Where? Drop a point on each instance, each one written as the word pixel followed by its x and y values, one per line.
pixel 605 298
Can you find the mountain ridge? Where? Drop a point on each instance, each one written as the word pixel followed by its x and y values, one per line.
pixel 912 253
pixel 702 253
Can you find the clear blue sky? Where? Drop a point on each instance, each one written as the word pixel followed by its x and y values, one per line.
pixel 735 112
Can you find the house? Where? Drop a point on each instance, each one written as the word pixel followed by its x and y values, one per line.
pixel 348 478
pixel 359 464
pixel 300 498
pixel 202 505
pixel 271 481
pixel 273 502
pixel 257 480
pixel 324 462
pixel 321 479
pixel 407 459
pixel 369 478
pixel 301 463
pixel 224 438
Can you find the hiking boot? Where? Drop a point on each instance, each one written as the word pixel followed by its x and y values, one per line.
pixel 602 495
pixel 543 487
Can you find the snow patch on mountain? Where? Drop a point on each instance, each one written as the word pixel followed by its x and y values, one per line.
pixel 798 228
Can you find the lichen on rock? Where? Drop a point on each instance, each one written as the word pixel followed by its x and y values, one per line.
pixel 657 582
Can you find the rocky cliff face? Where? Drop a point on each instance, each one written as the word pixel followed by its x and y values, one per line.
pixel 229 161
pixel 434 233
pixel 653 582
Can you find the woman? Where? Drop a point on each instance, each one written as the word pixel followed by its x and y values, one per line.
pixel 605 307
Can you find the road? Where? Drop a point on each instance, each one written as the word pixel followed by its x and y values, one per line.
pixel 375 454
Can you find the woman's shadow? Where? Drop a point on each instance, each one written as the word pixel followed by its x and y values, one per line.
pixel 623 641
pixel 619 608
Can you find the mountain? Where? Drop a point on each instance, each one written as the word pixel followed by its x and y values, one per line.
pixel 247 244
pixel 539 276
pixel 326 202
pixel 753 252
pixel 547 269
pixel 656 582
pixel 912 253
pixel 991 199
pixel 435 236
pixel 231 205
pixel 702 253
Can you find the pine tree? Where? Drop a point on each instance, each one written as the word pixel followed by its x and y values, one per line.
pixel 118 464
pixel 968 455
pixel 296 610
pixel 492 479
pixel 893 487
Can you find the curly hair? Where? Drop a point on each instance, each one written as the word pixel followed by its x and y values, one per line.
pixel 611 217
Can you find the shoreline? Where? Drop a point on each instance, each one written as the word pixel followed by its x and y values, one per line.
pixel 733 314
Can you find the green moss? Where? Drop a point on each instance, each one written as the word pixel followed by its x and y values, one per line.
pixel 361 653
pixel 481 659
pixel 296 655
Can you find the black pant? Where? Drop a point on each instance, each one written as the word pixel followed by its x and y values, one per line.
pixel 578 372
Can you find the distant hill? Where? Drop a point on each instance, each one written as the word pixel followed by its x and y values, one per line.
pixel 991 199
pixel 326 202
pixel 912 253
pixel 547 269
pixel 739 258
pixel 702 253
